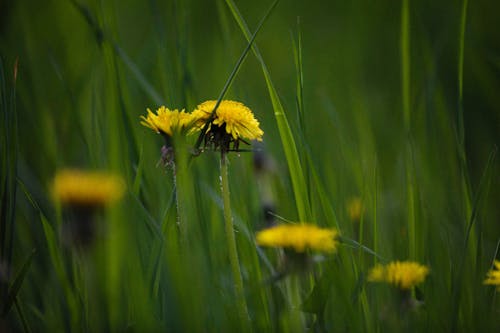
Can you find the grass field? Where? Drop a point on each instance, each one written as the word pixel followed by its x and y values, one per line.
pixel 381 121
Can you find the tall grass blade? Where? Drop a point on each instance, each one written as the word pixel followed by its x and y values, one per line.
pixel 465 180
pixel 287 140
pixel 406 79
pixel 235 70
pixel 8 183
pixel 22 316
pixel 16 285
pixel 481 191
pixel 356 245
pixel 460 81
pixel 101 37
pixel 484 184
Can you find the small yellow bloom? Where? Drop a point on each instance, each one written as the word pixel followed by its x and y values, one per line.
pixel 493 275
pixel 234 118
pixel 355 208
pixel 299 237
pixel 87 188
pixel 402 274
pixel 167 121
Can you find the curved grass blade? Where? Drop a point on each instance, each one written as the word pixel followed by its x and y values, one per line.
pixel 481 191
pixel 287 140
pixel 20 311
pixel 483 185
pixel 8 175
pixel 50 236
pixel 102 37
pixel 233 73
pixel 352 243
pixel 16 285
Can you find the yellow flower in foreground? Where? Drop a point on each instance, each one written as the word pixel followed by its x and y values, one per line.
pixel 87 188
pixel 402 274
pixel 299 237
pixel 167 121
pixel 235 118
pixel 493 275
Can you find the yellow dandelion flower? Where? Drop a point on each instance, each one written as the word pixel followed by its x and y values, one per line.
pixel 299 237
pixel 355 208
pixel 167 121
pixel 493 275
pixel 402 274
pixel 87 188
pixel 377 274
pixel 232 122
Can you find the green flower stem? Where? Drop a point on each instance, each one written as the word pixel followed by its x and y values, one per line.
pixel 181 223
pixel 231 244
pixel 296 321
pixel 177 157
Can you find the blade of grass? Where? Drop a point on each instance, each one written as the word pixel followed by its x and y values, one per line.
pixel 297 51
pixel 240 224
pixel 55 255
pixel 287 140
pixel 465 180
pixel 20 311
pixel 457 287
pixel 136 187
pixel 352 243
pixel 16 285
pixel 101 37
pixel 11 148
pixel 406 79
pixel 483 185
pixel 460 81
pixel 235 71
pixel 322 194
pixel 8 188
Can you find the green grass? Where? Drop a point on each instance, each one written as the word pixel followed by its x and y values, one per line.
pixel 391 103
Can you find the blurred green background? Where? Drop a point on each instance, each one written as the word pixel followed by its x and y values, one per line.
pixel 88 69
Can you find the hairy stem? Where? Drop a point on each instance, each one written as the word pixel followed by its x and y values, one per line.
pixel 231 244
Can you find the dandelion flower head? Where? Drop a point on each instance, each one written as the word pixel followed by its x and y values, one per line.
pixel 299 237
pixel 355 208
pixel 493 275
pixel 402 274
pixel 167 121
pixel 237 119
pixel 87 188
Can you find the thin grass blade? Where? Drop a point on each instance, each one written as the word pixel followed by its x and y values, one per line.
pixel 16 285
pixel 287 139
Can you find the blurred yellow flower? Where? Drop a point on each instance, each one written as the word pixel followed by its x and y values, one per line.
pixel 299 237
pixel 493 275
pixel 402 274
pixel 232 117
pixel 167 121
pixel 87 188
pixel 355 208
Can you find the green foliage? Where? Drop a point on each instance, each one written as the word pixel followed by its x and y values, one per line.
pixel 394 104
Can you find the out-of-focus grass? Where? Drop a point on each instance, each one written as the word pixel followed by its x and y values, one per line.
pixel 393 104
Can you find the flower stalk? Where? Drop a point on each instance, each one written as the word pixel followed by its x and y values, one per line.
pixel 231 243
pixel 297 320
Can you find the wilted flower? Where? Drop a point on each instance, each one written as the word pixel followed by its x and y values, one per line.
pixel 402 274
